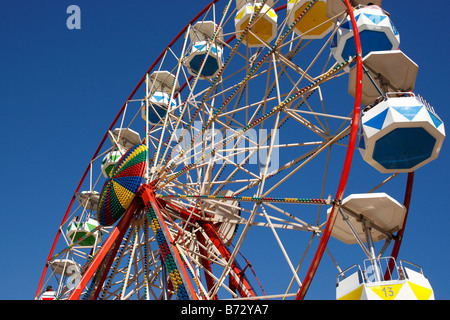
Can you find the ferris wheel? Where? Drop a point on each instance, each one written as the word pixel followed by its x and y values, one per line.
pixel 224 174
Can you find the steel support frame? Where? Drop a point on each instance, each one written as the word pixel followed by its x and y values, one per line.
pixel 347 164
pixel 341 188
pixel 214 237
pixel 148 197
pixel 116 236
pixel 122 109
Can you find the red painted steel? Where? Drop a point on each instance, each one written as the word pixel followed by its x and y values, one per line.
pixel 116 235
pixel 106 270
pixel 206 263
pixel 347 164
pixel 218 243
pixel 399 238
pixel 148 197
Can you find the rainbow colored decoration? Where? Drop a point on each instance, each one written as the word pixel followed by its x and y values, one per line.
pixel 120 190
pixel 167 257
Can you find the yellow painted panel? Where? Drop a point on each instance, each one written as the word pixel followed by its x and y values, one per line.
pixel 272 14
pixel 123 195
pixel 240 14
pixel 262 28
pixel 388 292
pixel 421 293
pixel 314 17
pixel 354 295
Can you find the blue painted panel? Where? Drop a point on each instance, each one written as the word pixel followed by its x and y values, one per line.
pixel 408 112
pixel 437 122
pixel 375 18
pixel 370 41
pixel 377 121
pixel 211 65
pixel 155 117
pixel 404 148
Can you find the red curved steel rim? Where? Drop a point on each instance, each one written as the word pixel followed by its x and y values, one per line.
pixel 348 161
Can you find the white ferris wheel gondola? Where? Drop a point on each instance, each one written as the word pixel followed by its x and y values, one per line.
pixel 203 49
pixel 162 85
pixel 384 71
pixel 376 33
pixel 400 133
pixel 83 230
pixel 65 267
pixel 367 219
pixel 124 138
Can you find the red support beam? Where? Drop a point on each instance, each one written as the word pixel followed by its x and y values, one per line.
pixel 116 235
pixel 106 271
pixel 399 238
pixel 148 197
pixel 206 263
pixel 218 243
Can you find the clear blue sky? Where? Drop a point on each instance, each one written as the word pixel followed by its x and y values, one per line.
pixel 60 89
